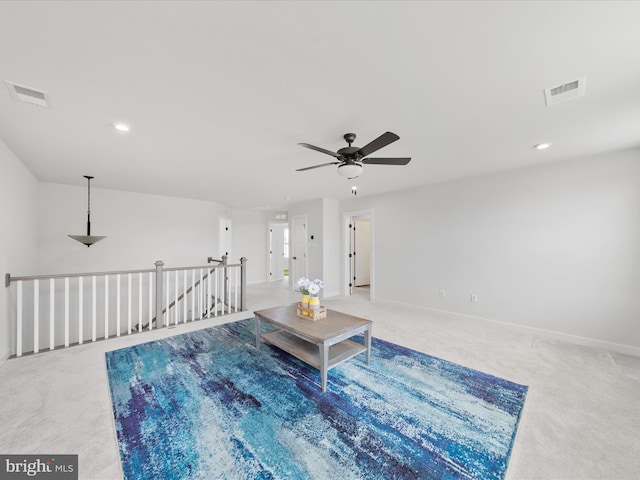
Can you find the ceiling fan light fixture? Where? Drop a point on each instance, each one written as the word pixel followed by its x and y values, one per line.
pixel 350 170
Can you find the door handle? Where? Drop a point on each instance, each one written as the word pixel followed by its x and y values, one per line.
pixel 294 258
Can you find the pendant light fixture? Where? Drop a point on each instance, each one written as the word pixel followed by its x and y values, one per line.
pixel 88 239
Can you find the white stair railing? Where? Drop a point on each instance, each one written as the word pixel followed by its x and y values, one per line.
pixel 71 309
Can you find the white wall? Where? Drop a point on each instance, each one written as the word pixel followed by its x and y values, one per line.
pixel 250 241
pixel 331 247
pixel 18 198
pixel 140 229
pixel 555 247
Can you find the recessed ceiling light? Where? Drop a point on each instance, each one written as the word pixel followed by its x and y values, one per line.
pixel 542 146
pixel 123 127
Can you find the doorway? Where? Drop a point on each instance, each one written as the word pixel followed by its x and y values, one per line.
pixel 358 266
pixel 278 250
pixel 298 261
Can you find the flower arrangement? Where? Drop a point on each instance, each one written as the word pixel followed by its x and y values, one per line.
pixel 309 290
pixel 308 287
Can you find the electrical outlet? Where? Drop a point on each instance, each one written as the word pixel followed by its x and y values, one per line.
pixel 443 293
pixel 474 297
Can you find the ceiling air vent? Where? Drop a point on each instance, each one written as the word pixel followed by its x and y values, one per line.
pixel 28 94
pixel 566 91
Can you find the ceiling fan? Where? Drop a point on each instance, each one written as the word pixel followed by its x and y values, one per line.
pixel 350 159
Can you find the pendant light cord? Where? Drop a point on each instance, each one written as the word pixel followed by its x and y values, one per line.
pixel 88 204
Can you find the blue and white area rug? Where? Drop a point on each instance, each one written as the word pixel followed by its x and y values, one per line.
pixel 208 405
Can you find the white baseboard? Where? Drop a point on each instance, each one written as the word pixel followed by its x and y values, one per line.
pixel 541 332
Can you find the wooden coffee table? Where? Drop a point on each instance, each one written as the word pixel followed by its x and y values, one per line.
pixel 323 343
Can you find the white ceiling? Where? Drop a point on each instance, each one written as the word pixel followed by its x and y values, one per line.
pixel 218 94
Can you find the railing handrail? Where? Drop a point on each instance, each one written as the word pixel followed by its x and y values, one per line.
pixel 9 278
pixel 210 267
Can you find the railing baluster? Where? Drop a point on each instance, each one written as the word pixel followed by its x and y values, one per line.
pixel 184 296
pixel 176 310
pixel 106 306
pixel 205 302
pixel 193 295
pixel 118 306
pixel 150 300
pixel 200 297
pixel 223 273
pixel 94 317
pixel 19 321
pixel 66 312
pixel 52 314
pixel 215 312
pixel 139 302
pixel 208 293
pixel 168 318
pixel 80 311
pixel 235 285
pixel 36 315
pixel 129 304
pixel 228 292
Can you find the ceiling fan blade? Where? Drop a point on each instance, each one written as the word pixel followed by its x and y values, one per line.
pixel 318 149
pixel 386 161
pixel 317 166
pixel 382 141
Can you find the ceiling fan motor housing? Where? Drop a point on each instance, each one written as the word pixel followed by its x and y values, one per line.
pixel 348 151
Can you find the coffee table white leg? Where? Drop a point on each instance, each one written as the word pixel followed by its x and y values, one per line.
pixel 367 343
pixel 324 364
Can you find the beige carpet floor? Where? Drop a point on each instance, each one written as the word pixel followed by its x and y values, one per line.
pixel 581 419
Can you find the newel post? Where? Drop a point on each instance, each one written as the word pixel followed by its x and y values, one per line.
pixel 243 284
pixel 159 265
pixel 225 275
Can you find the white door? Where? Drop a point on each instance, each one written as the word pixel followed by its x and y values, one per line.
pixel 298 248
pixel 362 252
pixel 277 261
pixel 358 244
